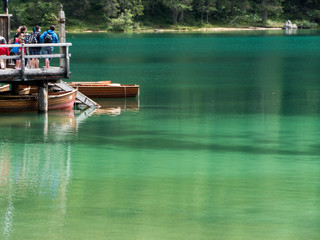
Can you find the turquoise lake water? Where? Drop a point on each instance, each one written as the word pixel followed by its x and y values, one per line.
pixel 222 143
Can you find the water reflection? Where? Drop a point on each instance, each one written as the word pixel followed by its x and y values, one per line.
pixel 53 126
pixel 64 119
pixel 291 31
pixel 115 107
pixel 29 171
pixel 35 164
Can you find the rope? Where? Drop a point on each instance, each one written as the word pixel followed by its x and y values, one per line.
pixel 125 97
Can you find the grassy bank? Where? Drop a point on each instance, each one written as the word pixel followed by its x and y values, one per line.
pixel 140 27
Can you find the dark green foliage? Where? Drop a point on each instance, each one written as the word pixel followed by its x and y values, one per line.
pixel 33 13
pixel 121 14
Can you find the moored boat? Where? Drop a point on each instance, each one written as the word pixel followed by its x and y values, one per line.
pixel 5 88
pixel 106 89
pixel 24 89
pixel 56 101
pixel 62 100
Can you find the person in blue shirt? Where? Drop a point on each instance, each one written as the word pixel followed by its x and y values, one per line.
pixel 48 37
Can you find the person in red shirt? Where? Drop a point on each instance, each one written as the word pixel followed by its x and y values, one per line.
pixel 4 51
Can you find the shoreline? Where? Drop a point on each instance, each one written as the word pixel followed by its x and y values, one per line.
pixel 216 29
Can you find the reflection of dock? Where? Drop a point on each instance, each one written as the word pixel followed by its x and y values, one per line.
pixel 54 123
pixel 39 173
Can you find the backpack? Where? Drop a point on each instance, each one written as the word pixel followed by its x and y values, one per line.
pixel 15 50
pixel 33 38
pixel 27 38
pixel 48 38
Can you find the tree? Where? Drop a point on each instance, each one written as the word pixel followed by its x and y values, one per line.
pixel 135 6
pixel 206 8
pixel 240 5
pixel 35 13
pixel 111 8
pixel 95 13
pixel 178 7
pixel 270 6
pixel 124 22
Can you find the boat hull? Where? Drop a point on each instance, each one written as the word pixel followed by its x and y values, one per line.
pixel 96 90
pixel 56 101
pixel 24 89
pixel 4 88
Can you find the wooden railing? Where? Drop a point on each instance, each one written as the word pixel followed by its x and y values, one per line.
pixel 63 71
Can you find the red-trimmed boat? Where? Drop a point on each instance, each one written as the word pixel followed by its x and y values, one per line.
pixel 106 89
pixel 56 101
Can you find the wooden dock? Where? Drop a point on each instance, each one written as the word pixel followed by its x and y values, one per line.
pixel 31 76
pixel 43 76
pixel 38 77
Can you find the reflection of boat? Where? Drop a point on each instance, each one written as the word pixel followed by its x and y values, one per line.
pixel 106 89
pixel 108 111
pixel 59 122
pixel 125 104
pixel 4 88
pixel 115 107
pixel 60 100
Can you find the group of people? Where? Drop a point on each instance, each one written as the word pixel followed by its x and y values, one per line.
pixel 35 37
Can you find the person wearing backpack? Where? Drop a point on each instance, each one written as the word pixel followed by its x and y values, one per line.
pixel 35 39
pixel 48 37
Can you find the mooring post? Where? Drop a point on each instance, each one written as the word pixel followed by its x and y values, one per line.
pixel 62 34
pixel 62 25
pixel 23 62
pixel 43 97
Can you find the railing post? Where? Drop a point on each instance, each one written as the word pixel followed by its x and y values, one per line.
pixel 23 61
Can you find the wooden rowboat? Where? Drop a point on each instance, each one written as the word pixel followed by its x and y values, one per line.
pixel 56 101
pixel 106 89
pixel 23 89
pixel 4 88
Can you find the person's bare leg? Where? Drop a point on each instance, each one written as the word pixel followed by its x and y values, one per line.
pixel 36 63
pixel 32 63
pixel 47 63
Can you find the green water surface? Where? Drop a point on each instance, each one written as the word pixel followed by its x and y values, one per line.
pixel 223 143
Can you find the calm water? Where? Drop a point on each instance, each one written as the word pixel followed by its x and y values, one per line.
pixel 223 143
